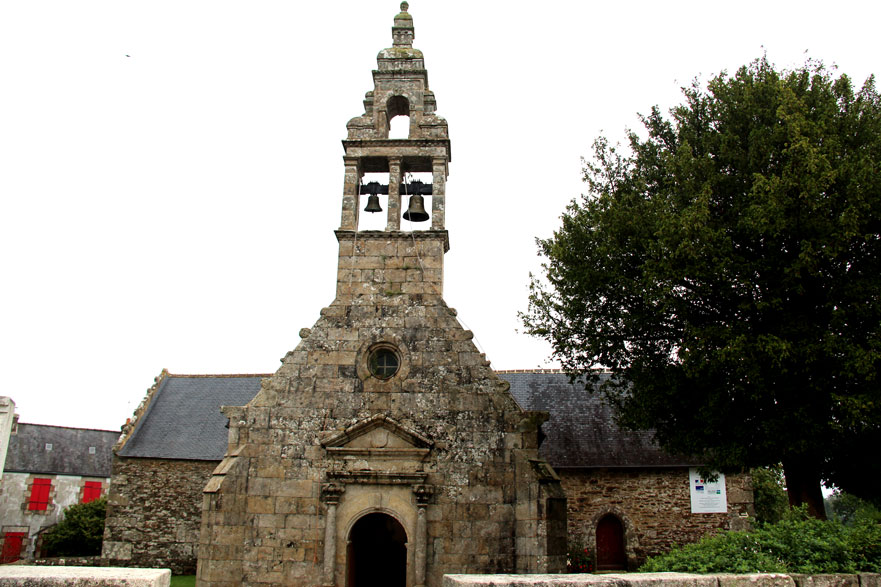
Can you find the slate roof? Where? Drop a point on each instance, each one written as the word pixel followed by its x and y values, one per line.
pixel 69 452
pixel 581 431
pixel 184 421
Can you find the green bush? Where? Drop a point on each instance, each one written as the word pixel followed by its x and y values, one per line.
pixel 578 558
pixel 796 544
pixel 80 533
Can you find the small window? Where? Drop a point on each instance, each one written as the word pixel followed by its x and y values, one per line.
pixel 91 450
pixel 48 446
pixel 39 501
pixel 91 491
pixel 383 363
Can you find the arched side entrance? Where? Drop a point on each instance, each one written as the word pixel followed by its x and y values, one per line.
pixel 376 553
pixel 603 537
pixel 611 554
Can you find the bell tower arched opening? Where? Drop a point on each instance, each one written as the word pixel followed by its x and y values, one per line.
pixel 398 112
pixel 376 552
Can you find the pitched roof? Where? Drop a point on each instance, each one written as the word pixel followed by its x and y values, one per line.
pixel 58 450
pixel 183 420
pixel 581 431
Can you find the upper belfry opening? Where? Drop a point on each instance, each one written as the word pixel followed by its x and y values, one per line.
pixel 400 88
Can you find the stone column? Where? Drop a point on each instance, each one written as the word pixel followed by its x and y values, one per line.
pixel 351 197
pixel 423 494
pixel 438 185
pixel 331 493
pixel 394 194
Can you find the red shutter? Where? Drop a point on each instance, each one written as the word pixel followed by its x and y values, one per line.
pixel 91 491
pixel 12 542
pixel 40 495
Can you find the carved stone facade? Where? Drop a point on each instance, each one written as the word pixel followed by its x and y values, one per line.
pixel 386 425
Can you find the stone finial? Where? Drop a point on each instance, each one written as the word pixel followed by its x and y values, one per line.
pixel 402 32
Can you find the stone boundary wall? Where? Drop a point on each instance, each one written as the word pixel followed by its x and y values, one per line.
pixel 664 580
pixel 31 576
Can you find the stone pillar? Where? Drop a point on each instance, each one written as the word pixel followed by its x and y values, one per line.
pixel 351 199
pixel 331 493
pixel 423 494
pixel 438 185
pixel 394 194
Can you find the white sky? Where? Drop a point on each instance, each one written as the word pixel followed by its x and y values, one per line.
pixel 171 171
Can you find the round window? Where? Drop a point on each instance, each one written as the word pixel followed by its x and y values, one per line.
pixel 383 363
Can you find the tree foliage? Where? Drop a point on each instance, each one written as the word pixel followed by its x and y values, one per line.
pixel 769 494
pixel 80 533
pixel 850 509
pixel 727 270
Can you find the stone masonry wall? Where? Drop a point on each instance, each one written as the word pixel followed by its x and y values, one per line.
pixel 653 504
pixel 153 513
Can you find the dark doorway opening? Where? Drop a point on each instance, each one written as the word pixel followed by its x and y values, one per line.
pixel 377 553
pixel 611 555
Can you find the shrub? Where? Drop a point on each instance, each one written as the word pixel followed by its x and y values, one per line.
pixel 80 533
pixel 796 544
pixel 578 559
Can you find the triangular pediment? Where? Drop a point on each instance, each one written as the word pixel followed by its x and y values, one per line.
pixel 377 432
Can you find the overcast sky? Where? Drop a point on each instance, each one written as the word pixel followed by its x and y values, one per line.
pixel 171 170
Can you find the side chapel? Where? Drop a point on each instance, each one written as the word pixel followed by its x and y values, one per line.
pixel 384 450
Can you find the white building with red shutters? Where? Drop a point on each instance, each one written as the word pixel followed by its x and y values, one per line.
pixel 47 469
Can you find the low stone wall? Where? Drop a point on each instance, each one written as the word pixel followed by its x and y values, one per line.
pixel 32 576
pixel 73 561
pixel 664 580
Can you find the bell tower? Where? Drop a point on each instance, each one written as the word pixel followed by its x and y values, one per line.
pixel 400 89
pixel 384 450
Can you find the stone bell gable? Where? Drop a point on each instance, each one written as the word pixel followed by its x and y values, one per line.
pixel 385 449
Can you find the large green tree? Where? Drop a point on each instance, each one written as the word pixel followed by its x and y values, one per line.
pixel 726 267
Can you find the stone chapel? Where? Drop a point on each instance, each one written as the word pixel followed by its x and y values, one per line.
pixel 384 450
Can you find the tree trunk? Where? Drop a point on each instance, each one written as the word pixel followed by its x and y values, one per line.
pixel 803 487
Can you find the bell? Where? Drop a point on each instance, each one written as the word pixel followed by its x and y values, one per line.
pixel 416 210
pixel 373 204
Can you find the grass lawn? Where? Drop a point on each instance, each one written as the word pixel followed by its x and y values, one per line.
pixel 183 580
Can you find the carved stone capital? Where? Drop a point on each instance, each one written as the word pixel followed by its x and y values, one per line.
pixel 331 492
pixel 423 494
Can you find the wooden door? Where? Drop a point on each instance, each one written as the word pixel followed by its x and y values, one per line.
pixel 611 555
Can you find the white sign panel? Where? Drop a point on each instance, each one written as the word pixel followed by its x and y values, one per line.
pixel 707 497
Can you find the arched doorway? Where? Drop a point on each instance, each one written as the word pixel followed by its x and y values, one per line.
pixel 611 555
pixel 377 553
